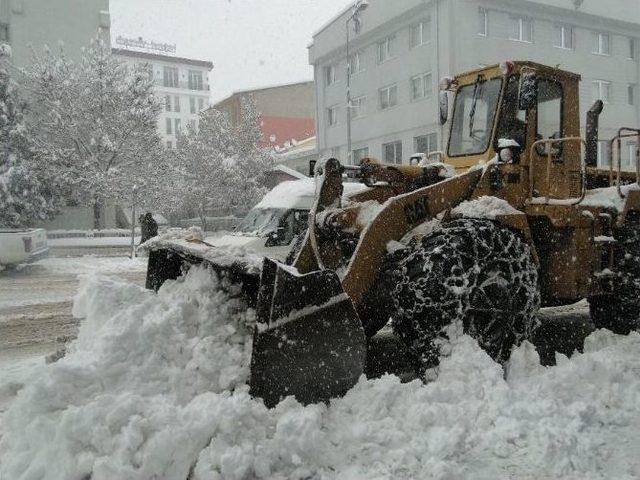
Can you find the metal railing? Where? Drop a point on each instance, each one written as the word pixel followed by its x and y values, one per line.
pixel 549 143
pixel 617 141
pixel 184 85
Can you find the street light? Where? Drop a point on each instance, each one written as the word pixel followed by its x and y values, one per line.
pixel 134 199
pixel 359 7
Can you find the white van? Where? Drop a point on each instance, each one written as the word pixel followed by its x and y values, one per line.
pixel 272 226
pixel 22 246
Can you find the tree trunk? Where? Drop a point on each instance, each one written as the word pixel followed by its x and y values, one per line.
pixel 97 213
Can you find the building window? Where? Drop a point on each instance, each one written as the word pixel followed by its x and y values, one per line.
pixel 421 86
pixel 426 143
pixel 421 33
pixel 167 103
pixel 192 105
pixel 355 63
pixel 392 152
pixel 145 69
pixel 601 90
pixel 176 103
pixel 359 155
pixel 601 43
pixel 330 75
pixel 176 124
pixel 195 80
pixel 604 153
pixel 631 94
pixel 200 104
pixel 386 48
pixel 563 37
pixel 4 33
pixel 332 115
pixel 358 107
pixel 388 97
pixel 170 77
pixel 169 126
pixel 521 29
pixel 483 22
pixel 632 49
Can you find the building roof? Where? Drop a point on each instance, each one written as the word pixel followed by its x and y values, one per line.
pixel 165 58
pixel 260 89
pixel 289 171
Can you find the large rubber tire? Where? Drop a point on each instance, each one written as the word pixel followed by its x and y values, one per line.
pixel 471 270
pixel 620 311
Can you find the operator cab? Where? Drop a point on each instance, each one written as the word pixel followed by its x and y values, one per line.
pixel 506 113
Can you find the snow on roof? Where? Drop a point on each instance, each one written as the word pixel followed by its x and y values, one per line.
pixel 290 171
pixel 288 194
pixel 300 194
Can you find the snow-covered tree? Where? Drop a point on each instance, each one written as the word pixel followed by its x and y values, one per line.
pixel 27 191
pixel 221 167
pixel 97 124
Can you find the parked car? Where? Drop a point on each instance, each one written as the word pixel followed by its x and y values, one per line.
pixel 272 226
pixel 22 246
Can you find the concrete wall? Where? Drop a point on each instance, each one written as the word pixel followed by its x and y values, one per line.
pixel 80 218
pixel 36 23
pixel 455 46
pixel 291 101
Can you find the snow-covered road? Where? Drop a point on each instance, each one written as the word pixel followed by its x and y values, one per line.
pixel 36 302
pixel 154 387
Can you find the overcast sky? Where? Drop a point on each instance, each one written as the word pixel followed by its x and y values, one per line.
pixel 251 43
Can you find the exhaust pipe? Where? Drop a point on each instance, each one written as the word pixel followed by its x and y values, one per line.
pixel 593 116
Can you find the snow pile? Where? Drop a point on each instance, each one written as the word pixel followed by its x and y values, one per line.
pixel 140 396
pixel 190 242
pixel 608 197
pixel 135 395
pixel 484 207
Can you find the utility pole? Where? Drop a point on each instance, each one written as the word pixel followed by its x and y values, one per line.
pixel 133 221
pixel 358 7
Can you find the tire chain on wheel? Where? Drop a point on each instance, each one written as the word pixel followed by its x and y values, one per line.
pixel 440 279
pixel 620 311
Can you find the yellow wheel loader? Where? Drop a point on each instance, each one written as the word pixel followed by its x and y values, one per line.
pixel 526 220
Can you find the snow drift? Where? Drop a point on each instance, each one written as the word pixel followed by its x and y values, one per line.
pixel 154 389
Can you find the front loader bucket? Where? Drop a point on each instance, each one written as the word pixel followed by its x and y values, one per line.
pixel 309 341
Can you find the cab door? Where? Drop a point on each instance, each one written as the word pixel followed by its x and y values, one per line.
pixel 556 164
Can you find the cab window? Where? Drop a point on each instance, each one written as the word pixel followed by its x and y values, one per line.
pixel 550 105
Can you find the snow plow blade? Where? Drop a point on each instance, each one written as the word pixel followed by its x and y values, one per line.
pixel 309 341
pixel 171 263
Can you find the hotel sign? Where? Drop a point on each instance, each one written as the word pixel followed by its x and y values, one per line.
pixel 145 44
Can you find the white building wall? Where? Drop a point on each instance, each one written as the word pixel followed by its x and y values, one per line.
pixel 456 46
pixel 32 24
pixel 182 93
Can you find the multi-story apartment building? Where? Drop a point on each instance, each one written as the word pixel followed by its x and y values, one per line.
pixel 181 83
pixel 29 25
pixel 404 48
pixel 287 112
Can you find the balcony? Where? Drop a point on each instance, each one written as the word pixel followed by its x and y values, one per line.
pixel 183 85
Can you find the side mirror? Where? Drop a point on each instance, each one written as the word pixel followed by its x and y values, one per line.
pixel 444 107
pixel 312 168
pixel 528 91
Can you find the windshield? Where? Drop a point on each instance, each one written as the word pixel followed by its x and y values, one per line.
pixel 262 222
pixel 473 116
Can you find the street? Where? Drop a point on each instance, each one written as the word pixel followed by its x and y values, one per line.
pixel 36 303
pixel 36 300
